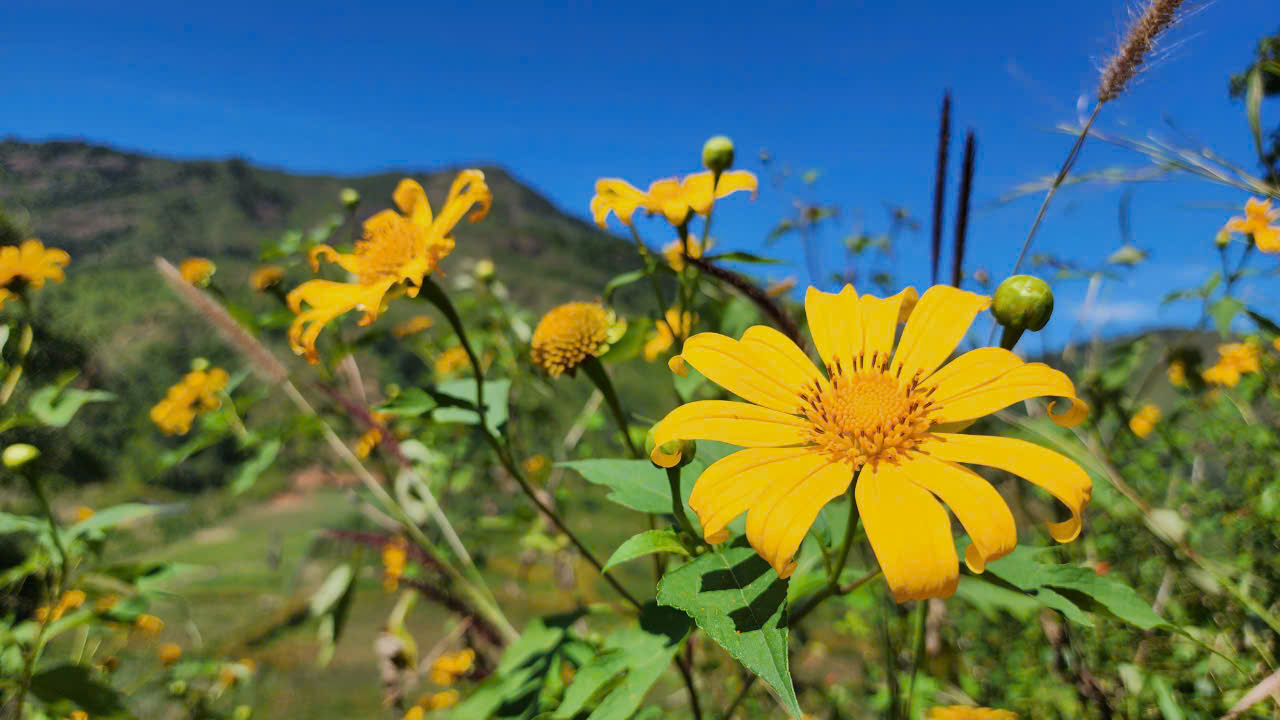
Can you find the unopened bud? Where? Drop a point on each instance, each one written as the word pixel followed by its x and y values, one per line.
pixel 679 452
pixel 178 688
pixel 1127 255
pixel 1023 302
pixel 20 454
pixel 484 270
pixel 349 198
pixel 242 712
pixel 717 154
pixel 200 364
pixel 1222 239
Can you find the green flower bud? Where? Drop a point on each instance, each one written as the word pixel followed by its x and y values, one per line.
pixel 1127 255
pixel 242 712
pixel 685 449
pixel 178 688
pixel 200 364
pixel 1222 239
pixel 484 270
pixel 20 454
pixel 717 154
pixel 1023 302
pixel 349 198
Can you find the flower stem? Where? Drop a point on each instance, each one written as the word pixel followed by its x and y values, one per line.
pixel 650 269
pixel 597 373
pixel 15 374
pixel 677 503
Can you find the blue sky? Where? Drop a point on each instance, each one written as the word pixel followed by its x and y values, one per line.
pixel 565 95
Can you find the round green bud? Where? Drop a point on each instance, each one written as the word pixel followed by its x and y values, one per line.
pixel 200 364
pixel 484 270
pixel 1222 239
pixel 20 454
pixel 178 688
pixel 685 449
pixel 242 712
pixel 349 198
pixel 717 154
pixel 1023 302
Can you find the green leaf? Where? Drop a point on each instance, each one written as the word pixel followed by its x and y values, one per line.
pixel 111 517
pixel 745 257
pixel 686 386
pixel 462 393
pixel 514 690
pixel 1253 103
pixel 331 590
pixel 1164 698
pixel 10 523
pixel 733 594
pixel 75 683
pixel 1263 322
pixel 639 654
pixel 1223 311
pixel 411 402
pixel 55 406
pixel 248 473
pixel 646 543
pixel 619 281
pixel 639 485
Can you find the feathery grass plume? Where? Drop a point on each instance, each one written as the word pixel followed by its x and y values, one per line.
pixel 260 358
pixel 1144 30
pixel 940 181
pixel 962 209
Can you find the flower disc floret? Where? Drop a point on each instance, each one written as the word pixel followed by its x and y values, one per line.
pixel 568 335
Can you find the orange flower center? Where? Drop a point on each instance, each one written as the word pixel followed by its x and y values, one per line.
pixel 866 414
pixel 389 243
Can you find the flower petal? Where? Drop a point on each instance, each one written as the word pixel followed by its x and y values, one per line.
pixel 328 300
pixel 879 320
pixel 696 191
pixel 735 180
pixel 980 509
pixel 785 509
pixel 909 532
pixel 1041 466
pixel 731 422
pixel 936 326
pixel 765 367
pixel 617 196
pixel 733 484
pixel 834 322
pixel 412 201
pixel 468 189
pixel 985 383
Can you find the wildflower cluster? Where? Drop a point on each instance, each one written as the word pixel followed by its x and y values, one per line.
pixel 198 391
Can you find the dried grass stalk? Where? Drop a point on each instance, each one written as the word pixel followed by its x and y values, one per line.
pixel 1144 30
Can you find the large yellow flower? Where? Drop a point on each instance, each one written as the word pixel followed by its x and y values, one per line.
pixel 396 248
pixel 672 197
pixel 1257 220
pixel 881 416
pixel 29 264
pixel 568 334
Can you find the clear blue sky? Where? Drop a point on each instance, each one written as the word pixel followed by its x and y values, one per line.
pixel 563 96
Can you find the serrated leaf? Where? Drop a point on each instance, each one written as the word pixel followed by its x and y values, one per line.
pixel 462 393
pixel 75 683
pixel 515 687
pixel 249 471
pixel 55 406
pixel 639 485
pixel 737 598
pixel 646 543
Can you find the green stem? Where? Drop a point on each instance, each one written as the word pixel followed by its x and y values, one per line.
pixel 37 648
pixel 38 490
pixel 677 504
pixel 917 653
pixel 15 374
pixel 833 586
pixel 597 373
pixel 436 296
pixel 650 269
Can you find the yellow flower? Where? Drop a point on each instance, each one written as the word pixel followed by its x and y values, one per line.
pixel 571 333
pixel 396 248
pixel 197 270
pixel 661 340
pixel 674 252
pixel 30 264
pixel 449 667
pixel 149 623
pixel 372 436
pixel 1234 360
pixel 78 715
pixel 198 391
pixel 1144 421
pixel 535 464
pixel 71 600
pixel 83 512
pixel 451 361
pixel 881 417
pixel 1178 372
pixel 413 326
pixel 1276 343
pixel 672 197
pixel 964 712
pixel 445 699
pixel 169 653
pixel 265 277
pixel 781 287
pixel 42 614
pixel 394 557
pixel 415 713
pixel 1257 220
pixel 105 603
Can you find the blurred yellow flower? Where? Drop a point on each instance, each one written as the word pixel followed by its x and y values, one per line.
pixel 535 464
pixel 877 415
pixel 415 713
pixel 781 287
pixel 1258 216
pixel 1144 421
pixel 964 712
pixel 106 602
pixel 1276 343
pixel 265 277
pixel 372 436
pixel 444 699
pixel 148 623
pixel 396 248
pixel 29 265
pixel 451 361
pixel 1234 360
pixel 169 653
pixel 412 326
pixel 198 391
pixel 78 715
pixel 41 614
pixel 449 667
pixel 662 339
pixel 673 252
pixel 672 197
pixel 197 270
pixel 83 512
pixel 394 557
pixel 1178 373
pixel 571 333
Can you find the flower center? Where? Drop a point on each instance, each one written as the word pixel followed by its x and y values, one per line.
pixel 388 245
pixel 866 414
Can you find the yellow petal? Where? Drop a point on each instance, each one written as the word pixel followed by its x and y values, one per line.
pixel 765 368
pixel 936 326
pixel 1064 479
pixel 349 262
pixel 696 190
pixel 328 300
pixel 879 321
pixel 468 189
pixel 617 196
pixel 733 484
pixel 734 181
pixel 667 197
pixel 834 322
pixel 788 505
pixel 412 201
pixel 732 422
pixel 975 391
pixel 909 532
pixel 973 501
